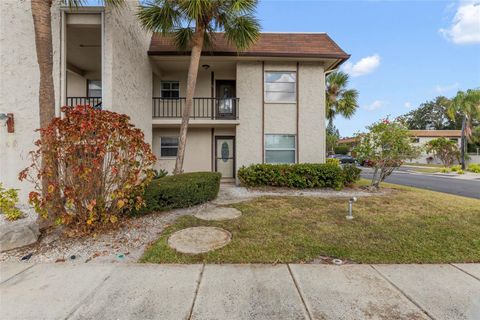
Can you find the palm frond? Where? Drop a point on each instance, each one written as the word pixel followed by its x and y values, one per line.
pixel 159 16
pixel 183 37
pixel 242 31
pixel 198 10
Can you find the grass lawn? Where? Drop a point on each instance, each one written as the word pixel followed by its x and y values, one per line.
pixel 407 226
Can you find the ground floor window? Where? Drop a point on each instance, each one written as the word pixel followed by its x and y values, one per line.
pixel 168 146
pixel 280 148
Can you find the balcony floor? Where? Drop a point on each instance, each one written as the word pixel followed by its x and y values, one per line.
pixel 165 122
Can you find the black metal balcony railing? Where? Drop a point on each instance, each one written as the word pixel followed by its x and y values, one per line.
pixel 83 101
pixel 203 108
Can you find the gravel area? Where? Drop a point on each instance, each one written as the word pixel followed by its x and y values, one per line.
pixel 125 244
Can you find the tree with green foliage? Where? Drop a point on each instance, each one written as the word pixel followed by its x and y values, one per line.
pixel 332 137
pixel 444 149
pixel 339 99
pixel 432 115
pixel 386 146
pixel 192 24
pixel 466 104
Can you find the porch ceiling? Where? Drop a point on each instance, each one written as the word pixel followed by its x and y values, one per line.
pixel 84 50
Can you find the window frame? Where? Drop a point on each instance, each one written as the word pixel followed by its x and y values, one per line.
pixel 294 149
pixel 169 147
pixel 170 90
pixel 295 89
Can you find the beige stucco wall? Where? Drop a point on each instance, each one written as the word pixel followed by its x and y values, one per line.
pixel 422 158
pixel 76 85
pixel 127 82
pixel 198 153
pixel 19 81
pixel 249 141
pixel 311 96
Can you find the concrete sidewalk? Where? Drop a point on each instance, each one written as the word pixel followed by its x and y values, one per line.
pixel 145 291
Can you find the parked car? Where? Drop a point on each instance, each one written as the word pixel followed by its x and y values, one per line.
pixel 343 158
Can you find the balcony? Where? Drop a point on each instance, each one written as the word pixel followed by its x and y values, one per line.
pixel 83 101
pixel 203 108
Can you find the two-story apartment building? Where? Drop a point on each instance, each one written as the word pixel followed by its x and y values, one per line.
pixel 263 105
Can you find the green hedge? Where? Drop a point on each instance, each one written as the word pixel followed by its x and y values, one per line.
pixel 303 175
pixel 180 191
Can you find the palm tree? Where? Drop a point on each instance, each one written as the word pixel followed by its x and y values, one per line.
pixel 42 25
pixel 466 104
pixel 340 100
pixel 192 24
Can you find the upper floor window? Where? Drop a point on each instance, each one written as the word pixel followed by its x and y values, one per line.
pixel 415 140
pixel 168 146
pixel 170 89
pixel 454 139
pixel 280 86
pixel 94 88
pixel 280 148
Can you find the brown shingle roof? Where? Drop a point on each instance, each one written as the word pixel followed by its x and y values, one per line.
pixel 305 45
pixel 417 133
pixel 436 133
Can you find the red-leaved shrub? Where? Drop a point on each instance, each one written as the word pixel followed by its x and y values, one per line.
pixel 96 164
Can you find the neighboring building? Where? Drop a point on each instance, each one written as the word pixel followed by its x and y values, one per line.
pixel 264 105
pixel 419 139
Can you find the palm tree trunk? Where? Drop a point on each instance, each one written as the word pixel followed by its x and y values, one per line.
pixel 197 46
pixel 41 13
pixel 43 41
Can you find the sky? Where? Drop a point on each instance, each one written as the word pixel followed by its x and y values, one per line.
pixel 403 53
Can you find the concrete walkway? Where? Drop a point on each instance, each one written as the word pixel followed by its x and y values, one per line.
pixel 145 291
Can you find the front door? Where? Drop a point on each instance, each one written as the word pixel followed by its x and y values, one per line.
pixel 225 156
pixel 226 104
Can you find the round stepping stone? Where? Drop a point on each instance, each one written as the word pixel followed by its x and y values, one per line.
pixel 218 213
pixel 199 239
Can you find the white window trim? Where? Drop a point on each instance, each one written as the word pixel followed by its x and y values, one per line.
pixel 168 147
pixel 265 100
pixel 294 149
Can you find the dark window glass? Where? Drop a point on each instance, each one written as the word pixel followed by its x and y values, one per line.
pixel 168 146
pixel 170 89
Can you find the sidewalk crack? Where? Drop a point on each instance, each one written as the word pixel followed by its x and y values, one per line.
pixel 466 272
pixel 310 317
pixel 16 274
pixel 90 296
pixel 196 292
pixel 403 293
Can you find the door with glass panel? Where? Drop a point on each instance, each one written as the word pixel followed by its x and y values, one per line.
pixel 226 103
pixel 225 156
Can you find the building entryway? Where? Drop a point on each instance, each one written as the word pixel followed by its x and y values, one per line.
pixel 225 156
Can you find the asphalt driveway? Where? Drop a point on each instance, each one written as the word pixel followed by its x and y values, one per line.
pixel 460 187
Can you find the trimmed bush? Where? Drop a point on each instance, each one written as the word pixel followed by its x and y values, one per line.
pixel 333 161
pixel 303 175
pixel 180 191
pixel 474 167
pixel 351 174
